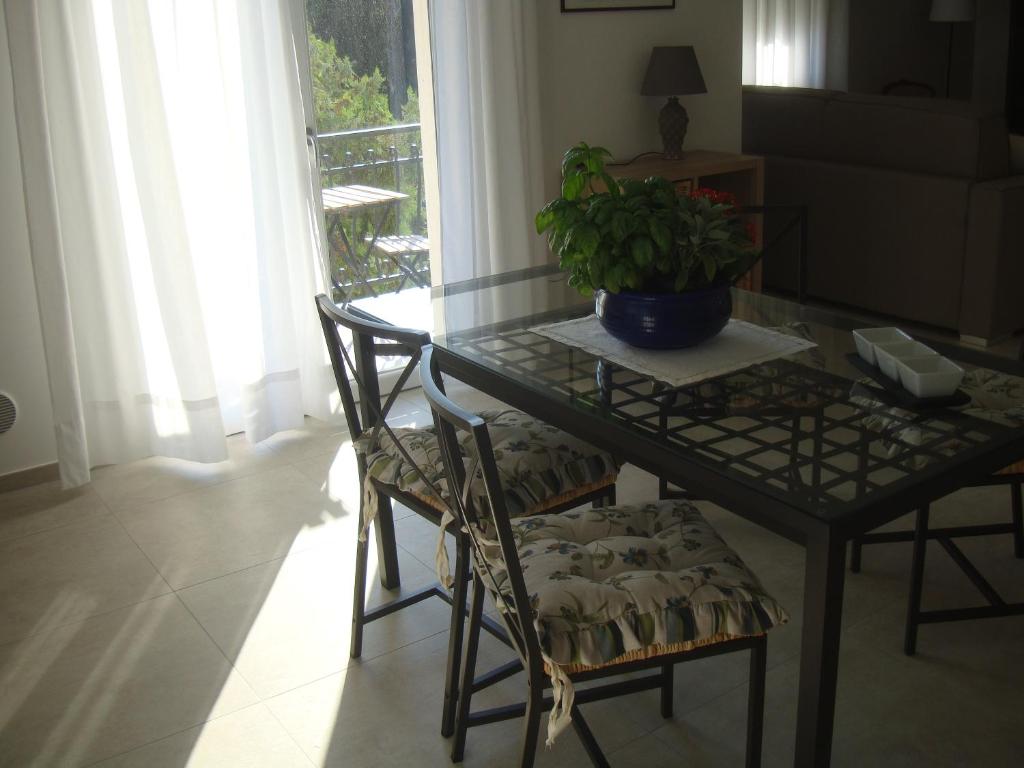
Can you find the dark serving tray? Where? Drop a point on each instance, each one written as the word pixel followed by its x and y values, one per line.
pixel 893 393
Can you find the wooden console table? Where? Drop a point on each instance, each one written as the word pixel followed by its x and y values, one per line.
pixel 742 175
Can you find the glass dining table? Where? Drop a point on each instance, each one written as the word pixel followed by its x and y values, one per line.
pixel 806 446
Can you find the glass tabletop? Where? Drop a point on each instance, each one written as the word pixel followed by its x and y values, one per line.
pixel 810 429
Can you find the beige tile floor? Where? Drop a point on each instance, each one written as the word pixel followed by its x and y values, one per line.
pixel 173 614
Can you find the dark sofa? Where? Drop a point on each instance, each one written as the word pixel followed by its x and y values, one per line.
pixel 911 209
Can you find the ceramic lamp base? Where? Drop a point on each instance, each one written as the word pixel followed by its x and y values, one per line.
pixel 673 122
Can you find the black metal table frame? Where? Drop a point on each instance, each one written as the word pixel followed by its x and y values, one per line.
pixel 823 539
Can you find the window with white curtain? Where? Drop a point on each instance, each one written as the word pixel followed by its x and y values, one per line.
pixel 795 43
pixel 171 215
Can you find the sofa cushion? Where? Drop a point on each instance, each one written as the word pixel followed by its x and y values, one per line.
pixel 886 241
pixel 991 304
pixel 633 580
pixel 935 136
pixel 784 121
pixel 938 136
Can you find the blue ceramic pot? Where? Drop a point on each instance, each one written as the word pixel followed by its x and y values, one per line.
pixel 665 320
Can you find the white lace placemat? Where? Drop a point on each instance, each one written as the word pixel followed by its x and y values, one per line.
pixel 738 345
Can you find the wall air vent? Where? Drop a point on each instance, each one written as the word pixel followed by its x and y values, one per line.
pixel 8 413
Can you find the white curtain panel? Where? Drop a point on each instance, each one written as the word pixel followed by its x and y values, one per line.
pixel 172 222
pixel 785 42
pixel 486 92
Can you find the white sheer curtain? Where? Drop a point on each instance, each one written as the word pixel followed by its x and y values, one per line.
pixel 172 223
pixel 484 58
pixel 788 42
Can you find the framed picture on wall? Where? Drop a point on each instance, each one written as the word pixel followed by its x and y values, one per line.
pixel 583 6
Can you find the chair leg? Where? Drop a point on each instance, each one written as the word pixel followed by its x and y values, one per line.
pixel 755 702
pixel 855 551
pixel 1018 519
pixel 662 489
pixel 608 500
pixel 468 671
pixel 456 633
pixel 387 548
pixel 359 598
pixel 916 581
pixel 531 725
pixel 586 736
pixel 667 681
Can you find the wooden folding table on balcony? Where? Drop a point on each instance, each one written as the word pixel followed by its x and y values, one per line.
pixel 350 201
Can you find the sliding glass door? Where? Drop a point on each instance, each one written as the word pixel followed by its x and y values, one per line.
pixel 367 153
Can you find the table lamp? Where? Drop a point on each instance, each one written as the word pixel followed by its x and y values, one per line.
pixel 951 12
pixel 673 71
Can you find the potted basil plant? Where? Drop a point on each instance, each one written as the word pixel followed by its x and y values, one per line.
pixel 659 262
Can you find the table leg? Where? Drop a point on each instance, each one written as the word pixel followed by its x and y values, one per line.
pixel 819 648
pixel 359 269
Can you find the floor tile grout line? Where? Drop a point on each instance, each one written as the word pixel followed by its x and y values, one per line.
pixel 280 558
pixel 243 569
pixel 288 732
pixel 217 645
pixel 58 526
pixel 362 660
pixel 83 619
pixel 50 529
pixel 212 484
pixel 188 609
pixel 143 552
pixel 176 733
pixel 170 590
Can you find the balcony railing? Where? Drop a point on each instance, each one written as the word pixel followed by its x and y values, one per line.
pixel 380 247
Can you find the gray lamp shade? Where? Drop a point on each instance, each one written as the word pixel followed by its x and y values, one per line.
pixel 673 71
pixel 952 10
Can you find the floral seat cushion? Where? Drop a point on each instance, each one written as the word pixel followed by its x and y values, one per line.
pixel 633 581
pixel 539 465
pixel 995 397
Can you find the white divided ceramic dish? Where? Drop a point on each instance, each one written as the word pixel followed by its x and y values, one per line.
pixel 867 338
pixel 888 354
pixel 932 376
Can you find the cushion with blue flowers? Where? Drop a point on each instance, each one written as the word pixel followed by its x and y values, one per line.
pixel 994 396
pixel 632 580
pixel 540 466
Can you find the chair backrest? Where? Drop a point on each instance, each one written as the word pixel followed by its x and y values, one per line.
pixel 450 420
pixel 371 338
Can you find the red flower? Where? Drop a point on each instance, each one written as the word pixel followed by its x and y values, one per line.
pixel 716 196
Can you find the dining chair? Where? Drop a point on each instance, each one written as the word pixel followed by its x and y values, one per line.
pixel 997 606
pixel 593 593
pixel 999 397
pixel 545 469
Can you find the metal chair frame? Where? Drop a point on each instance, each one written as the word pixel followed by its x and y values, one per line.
pixel 449 420
pixel 372 338
pixel 997 606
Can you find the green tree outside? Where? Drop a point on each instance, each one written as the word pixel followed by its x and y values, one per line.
pixel 345 100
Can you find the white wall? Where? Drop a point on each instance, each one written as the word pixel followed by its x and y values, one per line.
pixel 592 66
pixel 22 369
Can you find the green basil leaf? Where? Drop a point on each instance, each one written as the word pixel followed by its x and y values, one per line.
pixel 641 250
pixel 709 267
pixel 661 234
pixel 572 185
